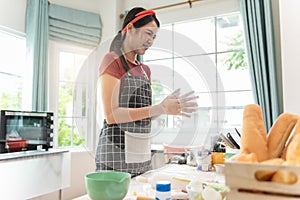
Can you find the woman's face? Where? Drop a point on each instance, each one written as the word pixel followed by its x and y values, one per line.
pixel 140 39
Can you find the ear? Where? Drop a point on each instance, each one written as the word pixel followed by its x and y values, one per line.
pixel 129 27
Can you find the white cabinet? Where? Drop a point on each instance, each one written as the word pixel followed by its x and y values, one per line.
pixel 26 175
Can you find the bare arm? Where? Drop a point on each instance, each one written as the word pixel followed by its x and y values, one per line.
pixel 114 114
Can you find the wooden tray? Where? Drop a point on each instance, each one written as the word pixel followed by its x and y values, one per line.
pixel 237 195
pixel 240 177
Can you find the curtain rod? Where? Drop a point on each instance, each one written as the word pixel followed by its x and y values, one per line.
pixel 190 2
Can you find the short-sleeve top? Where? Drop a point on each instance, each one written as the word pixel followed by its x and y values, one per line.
pixel 112 65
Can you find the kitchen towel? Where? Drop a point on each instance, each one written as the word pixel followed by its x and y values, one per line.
pixel 137 147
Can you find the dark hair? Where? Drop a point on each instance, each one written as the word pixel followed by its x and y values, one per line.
pixel 117 42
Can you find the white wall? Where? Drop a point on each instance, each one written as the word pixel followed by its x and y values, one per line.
pixel 12 14
pixel 290 43
pixel 184 12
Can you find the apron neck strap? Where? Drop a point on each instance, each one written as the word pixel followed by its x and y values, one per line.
pixel 124 63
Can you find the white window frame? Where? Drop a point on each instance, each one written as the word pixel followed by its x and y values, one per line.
pixel 55 49
pixel 27 75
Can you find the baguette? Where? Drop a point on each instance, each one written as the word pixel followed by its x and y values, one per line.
pixel 295 132
pixel 297 127
pixel 293 150
pixel 279 134
pixel 254 133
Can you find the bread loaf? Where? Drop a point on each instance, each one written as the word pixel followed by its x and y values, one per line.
pixel 254 133
pixel 266 175
pixel 245 157
pixel 295 132
pixel 284 176
pixel 279 134
pixel 293 150
pixel 297 127
pixel 292 158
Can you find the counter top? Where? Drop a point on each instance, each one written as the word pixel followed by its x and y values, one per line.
pixel 22 154
pixel 144 185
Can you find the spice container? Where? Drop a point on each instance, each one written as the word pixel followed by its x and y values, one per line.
pixel 204 160
pixel 163 190
pixel 217 158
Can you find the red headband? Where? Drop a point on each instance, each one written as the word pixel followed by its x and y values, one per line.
pixel 138 16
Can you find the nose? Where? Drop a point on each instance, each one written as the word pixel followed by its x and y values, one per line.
pixel 150 41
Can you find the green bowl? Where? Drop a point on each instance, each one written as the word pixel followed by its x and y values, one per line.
pixel 107 185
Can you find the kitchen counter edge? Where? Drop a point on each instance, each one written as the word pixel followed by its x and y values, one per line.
pixel 33 153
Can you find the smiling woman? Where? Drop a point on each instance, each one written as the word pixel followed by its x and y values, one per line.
pixel 124 141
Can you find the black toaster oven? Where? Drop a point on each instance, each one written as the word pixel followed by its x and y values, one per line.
pixel 25 130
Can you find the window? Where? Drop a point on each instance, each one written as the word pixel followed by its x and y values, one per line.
pixel 14 82
pixel 207 56
pixel 71 95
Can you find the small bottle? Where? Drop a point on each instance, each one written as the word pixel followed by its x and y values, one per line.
pixel 204 160
pixel 163 190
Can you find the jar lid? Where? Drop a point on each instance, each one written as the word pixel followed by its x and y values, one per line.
pixel 163 186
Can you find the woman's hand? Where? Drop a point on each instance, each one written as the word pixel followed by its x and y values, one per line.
pixel 174 104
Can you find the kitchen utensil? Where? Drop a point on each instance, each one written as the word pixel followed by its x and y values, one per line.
pixel 111 185
pixel 229 136
pixel 226 141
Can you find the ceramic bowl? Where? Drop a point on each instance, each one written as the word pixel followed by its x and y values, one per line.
pixel 110 185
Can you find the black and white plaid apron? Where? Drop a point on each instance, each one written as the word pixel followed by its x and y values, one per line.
pixel 135 92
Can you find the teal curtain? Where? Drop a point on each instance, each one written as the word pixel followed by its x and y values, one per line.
pixel 260 47
pixel 74 26
pixel 37 51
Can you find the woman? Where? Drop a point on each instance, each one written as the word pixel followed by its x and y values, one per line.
pixel 124 141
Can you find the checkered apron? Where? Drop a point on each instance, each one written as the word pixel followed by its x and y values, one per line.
pixel 135 92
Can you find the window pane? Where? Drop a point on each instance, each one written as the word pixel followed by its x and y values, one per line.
pixel 232 78
pixel 65 131
pixel 70 65
pixel 65 106
pixel 201 33
pixel 229 33
pixel 233 117
pixel 162 72
pixel 79 131
pixel 12 71
pixel 195 73
pixel 72 99
pixel 238 98
pixel 157 54
pixel 79 99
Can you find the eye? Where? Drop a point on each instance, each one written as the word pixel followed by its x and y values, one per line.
pixel 151 34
